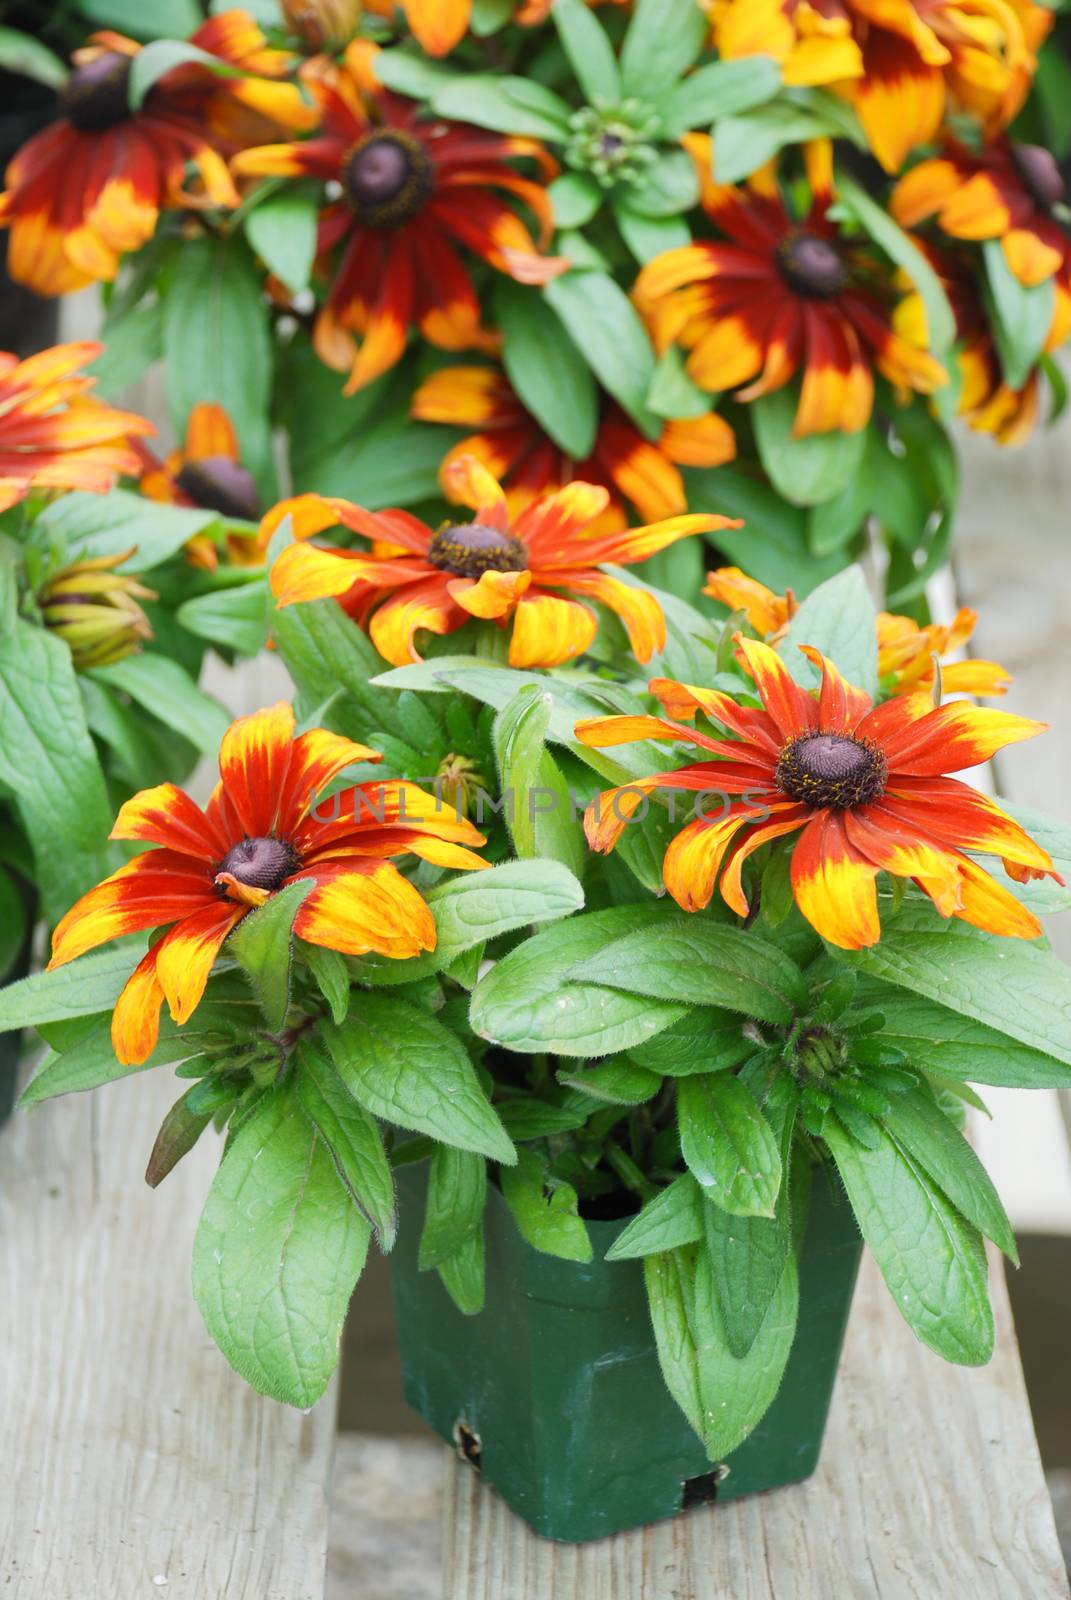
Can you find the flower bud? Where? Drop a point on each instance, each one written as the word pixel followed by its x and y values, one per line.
pixel 323 24
pixel 95 610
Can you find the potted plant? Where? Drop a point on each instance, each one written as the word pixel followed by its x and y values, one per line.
pixel 603 930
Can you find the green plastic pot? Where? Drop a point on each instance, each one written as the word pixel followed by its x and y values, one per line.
pixel 554 1394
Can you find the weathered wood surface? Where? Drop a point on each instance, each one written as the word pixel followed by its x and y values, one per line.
pixel 929 1488
pixel 133 1462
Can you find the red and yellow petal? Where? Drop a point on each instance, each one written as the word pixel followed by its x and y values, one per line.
pixel 768 613
pixel 210 432
pixel 468 482
pixel 950 738
pixel 610 812
pixel 136 1014
pixel 792 710
pixel 548 630
pixel 359 907
pixel 965 819
pixel 694 856
pixel 185 956
pixel 149 891
pixel 438 25
pixel 833 884
pixel 549 525
pixel 1031 258
pixel 395 625
pixel 166 815
pixel 990 906
pixel 785 819
pixel 492 595
pixel 254 759
pixel 841 706
pixel 640 612
pixel 317 757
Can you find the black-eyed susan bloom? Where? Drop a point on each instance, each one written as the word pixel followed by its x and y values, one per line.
pixel 864 787
pixel 260 831
pixel 411 192
pixel 207 472
pixel 515 449
pixel 535 570
pixel 781 295
pixel 53 433
pixel 90 187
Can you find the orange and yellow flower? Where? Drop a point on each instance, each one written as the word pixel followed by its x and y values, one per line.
pixel 53 433
pixel 439 25
pixel 265 826
pixel 782 296
pixel 907 650
pixel 1006 192
pixel 903 64
pixel 91 186
pixel 207 472
pixel 514 448
pixel 412 191
pixel 494 567
pixel 864 787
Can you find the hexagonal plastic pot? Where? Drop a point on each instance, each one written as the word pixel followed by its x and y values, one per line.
pixel 554 1394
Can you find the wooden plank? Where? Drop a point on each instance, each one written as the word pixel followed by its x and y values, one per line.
pixel 929 1488
pixel 137 1463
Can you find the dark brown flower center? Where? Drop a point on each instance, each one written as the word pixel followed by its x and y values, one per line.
pixel 1040 173
pixel 812 265
pixel 219 484
pixel 95 96
pixel 387 178
pixel 260 863
pixel 831 769
pixel 471 548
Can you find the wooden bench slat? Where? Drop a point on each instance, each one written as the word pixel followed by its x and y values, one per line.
pixel 134 1454
pixel 930 1488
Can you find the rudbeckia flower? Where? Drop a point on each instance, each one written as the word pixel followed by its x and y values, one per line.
pixel 90 187
pixel 513 447
pixel 782 296
pixel 53 434
pixel 903 64
pixel 265 826
pixel 412 190
pixel 439 25
pixel 207 472
pixel 1006 192
pixel 864 787
pixel 906 649
pixel 495 567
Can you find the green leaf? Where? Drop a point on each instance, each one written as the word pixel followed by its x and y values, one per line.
pixel 699 964
pixel 1042 895
pixel 548 1220
pixel 1021 318
pixel 728 1145
pixel 546 370
pixel 704 1040
pixel 132 343
pixel 92 525
pixel 527 1118
pixel 385 463
pixel 905 253
pixel 939 1040
pixel 746 141
pixel 325 652
pixel 404 1066
pixel 217 345
pixel 48 761
pixel 575 198
pixel 772 546
pixel 453 1215
pixel 278 1250
pixel 282 231
pixel 931 1259
pixel 838 618
pixel 166 690
pixel 736 1393
pixel 145 19
pixel 27 57
pixel 481 905
pixel 604 324
pixel 672 392
pixel 462 1275
pixel 648 236
pixel 668 186
pixel 809 470
pixel 747 1257
pixel 78 989
pixel 261 946
pixel 590 52
pixel 408 70
pixel 179 1132
pixel 352 1138
pixel 664 38
pixel 236 618
pixel 669 1278
pixel 164 55
pixel 1007 984
pixel 539 802
pixel 526 1003
pixel 672 1218
pixel 618 1081
pixel 508 105
pixel 719 89
pixel 332 977
pixel 919 1125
